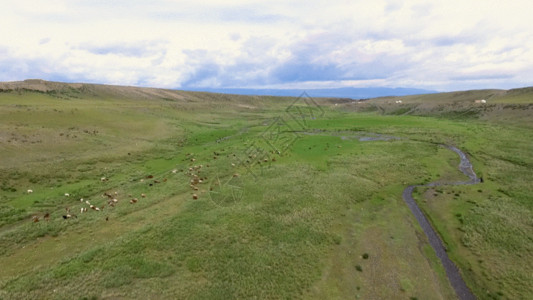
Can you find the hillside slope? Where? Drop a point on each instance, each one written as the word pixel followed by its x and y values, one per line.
pixel 510 106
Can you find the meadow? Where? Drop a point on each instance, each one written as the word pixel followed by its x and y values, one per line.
pixel 296 200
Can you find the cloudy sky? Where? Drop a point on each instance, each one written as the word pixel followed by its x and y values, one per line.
pixel 440 44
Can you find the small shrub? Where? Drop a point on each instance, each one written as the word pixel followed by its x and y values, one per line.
pixel 365 256
pixel 359 268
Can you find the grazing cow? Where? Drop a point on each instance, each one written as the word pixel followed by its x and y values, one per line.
pixel 30 191
pixel 35 219
pixel 194 196
pixel 67 195
pixel 46 216
pixel 143 195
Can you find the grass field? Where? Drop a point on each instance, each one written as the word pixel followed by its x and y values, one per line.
pixel 323 218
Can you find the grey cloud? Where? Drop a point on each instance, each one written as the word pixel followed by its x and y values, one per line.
pixel 44 41
pixel 218 14
pixel 140 49
pixel 256 67
pixel 307 63
pixel 12 69
pixel 464 38
pixel 482 76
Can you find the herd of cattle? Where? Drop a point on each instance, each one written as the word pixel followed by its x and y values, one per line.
pixel 194 172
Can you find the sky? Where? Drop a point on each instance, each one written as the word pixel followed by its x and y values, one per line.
pixel 441 45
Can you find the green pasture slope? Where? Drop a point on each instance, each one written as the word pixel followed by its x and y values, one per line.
pixel 322 219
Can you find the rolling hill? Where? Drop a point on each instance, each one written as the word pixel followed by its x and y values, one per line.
pixel 112 192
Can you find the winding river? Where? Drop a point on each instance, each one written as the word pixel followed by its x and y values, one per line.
pixel 465 166
pixel 456 281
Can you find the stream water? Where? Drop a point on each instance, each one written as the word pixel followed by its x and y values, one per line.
pixel 452 272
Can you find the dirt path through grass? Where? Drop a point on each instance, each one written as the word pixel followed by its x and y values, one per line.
pixel 452 272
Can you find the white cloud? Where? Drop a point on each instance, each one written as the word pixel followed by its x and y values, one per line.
pixel 438 45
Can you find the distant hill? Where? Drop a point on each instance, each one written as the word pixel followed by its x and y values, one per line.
pixel 348 92
pixel 44 86
pixel 375 96
pixel 510 106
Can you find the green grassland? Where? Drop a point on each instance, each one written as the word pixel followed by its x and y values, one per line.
pixel 323 218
